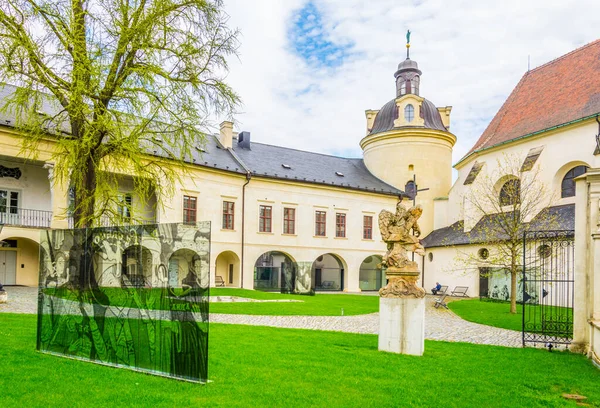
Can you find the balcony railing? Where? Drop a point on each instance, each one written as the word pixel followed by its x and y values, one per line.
pixel 106 222
pixel 23 217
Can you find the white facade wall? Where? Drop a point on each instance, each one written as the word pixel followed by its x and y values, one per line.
pixel 212 188
pixel 564 148
pixel 449 268
pixel 33 185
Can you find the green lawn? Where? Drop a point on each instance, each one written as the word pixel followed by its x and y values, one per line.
pixel 318 305
pixel 495 314
pixel 268 367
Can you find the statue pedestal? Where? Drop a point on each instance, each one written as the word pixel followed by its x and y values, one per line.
pixel 3 296
pixel 402 325
pixel 402 313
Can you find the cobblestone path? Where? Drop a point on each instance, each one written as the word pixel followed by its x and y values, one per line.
pixel 440 324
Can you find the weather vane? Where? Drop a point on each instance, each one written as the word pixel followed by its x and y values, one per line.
pixel 407 44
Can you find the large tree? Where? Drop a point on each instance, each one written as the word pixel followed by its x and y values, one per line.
pixel 506 199
pixel 111 81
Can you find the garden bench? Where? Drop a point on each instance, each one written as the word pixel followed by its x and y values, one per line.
pixel 219 281
pixel 442 291
pixel 460 291
pixel 441 302
pixel 329 285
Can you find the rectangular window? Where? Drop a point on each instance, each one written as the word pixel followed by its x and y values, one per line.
pixel 289 220
pixel 320 223
pixel 368 227
pixel 340 225
pixel 124 210
pixel 264 222
pixel 9 202
pixel 189 209
pixel 228 208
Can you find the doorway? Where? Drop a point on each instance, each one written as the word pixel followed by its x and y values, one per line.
pixel 8 267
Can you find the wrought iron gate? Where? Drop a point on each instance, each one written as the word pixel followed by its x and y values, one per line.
pixel 547 287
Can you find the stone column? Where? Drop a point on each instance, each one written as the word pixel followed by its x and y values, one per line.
pixel 586 310
pixel 402 312
pixel 582 257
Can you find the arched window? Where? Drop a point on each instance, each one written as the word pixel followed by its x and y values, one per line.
pixel 568 183
pixel 402 88
pixel 414 85
pixel 510 193
pixel 409 113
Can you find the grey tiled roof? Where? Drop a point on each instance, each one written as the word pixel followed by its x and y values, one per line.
pixel 261 160
pixel 484 231
pixel 268 161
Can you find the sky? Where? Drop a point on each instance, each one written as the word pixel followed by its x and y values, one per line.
pixel 308 70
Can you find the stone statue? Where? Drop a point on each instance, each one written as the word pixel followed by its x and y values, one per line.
pixel 396 232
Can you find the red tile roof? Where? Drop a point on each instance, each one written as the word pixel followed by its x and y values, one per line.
pixel 558 92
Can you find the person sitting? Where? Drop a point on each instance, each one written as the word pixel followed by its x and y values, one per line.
pixel 437 288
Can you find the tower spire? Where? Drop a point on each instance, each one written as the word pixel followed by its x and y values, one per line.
pixel 408 73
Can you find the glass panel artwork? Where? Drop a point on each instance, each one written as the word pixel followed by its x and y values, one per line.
pixel 133 297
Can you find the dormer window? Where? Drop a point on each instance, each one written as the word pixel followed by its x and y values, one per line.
pixel 339 174
pixel 409 113
pixel 286 166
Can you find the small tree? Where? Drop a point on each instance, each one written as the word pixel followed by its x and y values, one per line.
pixel 507 201
pixel 113 83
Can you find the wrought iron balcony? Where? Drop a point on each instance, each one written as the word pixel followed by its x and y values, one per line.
pixel 23 217
pixel 107 222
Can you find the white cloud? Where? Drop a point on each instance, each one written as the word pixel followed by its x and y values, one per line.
pixel 472 54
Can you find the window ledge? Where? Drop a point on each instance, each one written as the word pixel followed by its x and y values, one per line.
pixel 264 233
pixel 319 236
pixel 228 230
pixel 368 239
pixel 289 235
pixel 341 238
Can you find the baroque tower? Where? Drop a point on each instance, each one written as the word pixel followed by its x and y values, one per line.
pixel 408 139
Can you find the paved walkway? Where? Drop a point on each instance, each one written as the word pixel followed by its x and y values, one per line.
pixel 440 324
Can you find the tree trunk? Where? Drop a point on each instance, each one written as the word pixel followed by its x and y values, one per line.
pixel 513 279
pixel 513 291
pixel 84 198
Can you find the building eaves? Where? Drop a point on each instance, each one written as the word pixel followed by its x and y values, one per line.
pixel 484 232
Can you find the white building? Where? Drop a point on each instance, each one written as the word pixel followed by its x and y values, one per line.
pixel 549 121
pixel 270 207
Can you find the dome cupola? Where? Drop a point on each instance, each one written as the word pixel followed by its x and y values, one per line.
pixel 410 137
pixel 408 74
pixel 407 77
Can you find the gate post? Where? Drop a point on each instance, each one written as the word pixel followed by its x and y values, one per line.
pixel 586 310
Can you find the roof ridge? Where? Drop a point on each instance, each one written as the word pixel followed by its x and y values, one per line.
pixel 565 55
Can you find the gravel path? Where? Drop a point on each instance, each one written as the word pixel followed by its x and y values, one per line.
pixel 440 324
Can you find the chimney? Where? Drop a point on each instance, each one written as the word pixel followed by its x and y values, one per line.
pixel 226 134
pixel 244 140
